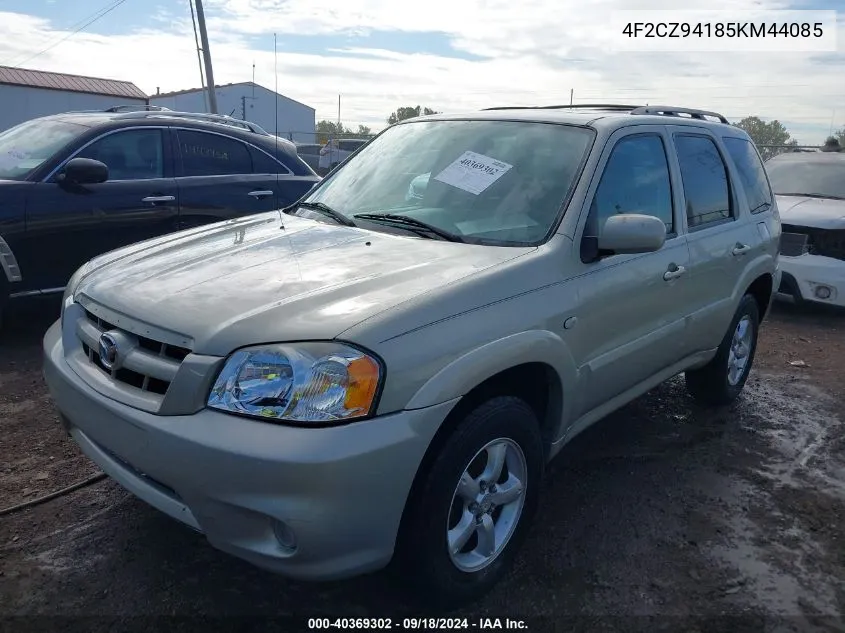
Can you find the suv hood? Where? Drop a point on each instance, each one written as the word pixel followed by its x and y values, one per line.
pixel 820 213
pixel 275 277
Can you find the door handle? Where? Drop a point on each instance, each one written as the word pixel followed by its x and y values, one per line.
pixel 260 194
pixel 158 199
pixel 740 249
pixel 674 272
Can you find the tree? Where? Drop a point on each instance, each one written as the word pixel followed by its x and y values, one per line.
pixel 408 112
pixel 840 136
pixel 331 129
pixel 767 134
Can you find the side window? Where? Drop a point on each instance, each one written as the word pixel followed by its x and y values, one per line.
pixel 264 164
pixel 635 180
pixel 705 179
pixel 213 155
pixel 751 172
pixel 136 154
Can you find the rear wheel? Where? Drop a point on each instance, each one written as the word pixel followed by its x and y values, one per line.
pixel 722 379
pixel 472 510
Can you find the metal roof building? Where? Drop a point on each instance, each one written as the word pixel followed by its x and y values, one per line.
pixel 27 94
pixel 247 100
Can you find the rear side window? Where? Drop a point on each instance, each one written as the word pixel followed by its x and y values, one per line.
pixel 705 180
pixel 264 164
pixel 206 154
pixel 308 150
pixel 751 173
pixel 635 180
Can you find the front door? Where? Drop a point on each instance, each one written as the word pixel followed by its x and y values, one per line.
pixel 67 225
pixel 631 314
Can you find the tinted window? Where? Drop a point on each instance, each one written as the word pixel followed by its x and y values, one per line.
pixel 25 147
pixel 819 176
pixel 130 155
pixel 350 146
pixel 635 180
pixel 308 150
pixel 264 164
pixel 751 173
pixel 213 155
pixel 705 180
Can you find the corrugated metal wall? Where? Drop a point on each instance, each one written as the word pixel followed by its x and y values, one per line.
pixel 296 121
pixel 21 103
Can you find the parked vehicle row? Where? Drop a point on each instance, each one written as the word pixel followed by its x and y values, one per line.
pixel 810 188
pixel 76 185
pixel 382 372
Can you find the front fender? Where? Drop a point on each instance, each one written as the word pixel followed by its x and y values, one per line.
pixel 470 369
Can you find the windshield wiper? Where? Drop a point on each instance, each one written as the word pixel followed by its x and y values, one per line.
pixel 813 195
pixel 324 209
pixel 394 218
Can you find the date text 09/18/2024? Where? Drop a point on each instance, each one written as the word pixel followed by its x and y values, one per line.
pixel 417 624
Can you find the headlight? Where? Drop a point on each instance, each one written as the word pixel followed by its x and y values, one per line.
pixel 306 382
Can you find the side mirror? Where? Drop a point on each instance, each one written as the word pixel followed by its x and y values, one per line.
pixel 84 171
pixel 632 233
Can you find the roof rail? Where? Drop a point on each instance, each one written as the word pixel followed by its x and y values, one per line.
pixel 136 108
pixel 222 119
pixel 675 111
pixel 576 106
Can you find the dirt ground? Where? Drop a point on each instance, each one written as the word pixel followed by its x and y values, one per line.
pixel 663 516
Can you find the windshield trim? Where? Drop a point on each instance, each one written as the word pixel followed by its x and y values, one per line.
pixel 480 241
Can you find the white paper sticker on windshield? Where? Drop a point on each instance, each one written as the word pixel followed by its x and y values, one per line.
pixel 12 158
pixel 473 172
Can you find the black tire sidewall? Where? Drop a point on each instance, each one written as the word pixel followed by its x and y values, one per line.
pixel 747 307
pixel 425 545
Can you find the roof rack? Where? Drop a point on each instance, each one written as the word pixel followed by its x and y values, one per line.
pixel 136 108
pixel 616 107
pixel 577 106
pixel 675 111
pixel 221 119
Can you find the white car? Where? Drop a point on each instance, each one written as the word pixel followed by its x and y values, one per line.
pixel 338 150
pixel 810 192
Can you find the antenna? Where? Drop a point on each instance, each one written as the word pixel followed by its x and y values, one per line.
pixel 276 73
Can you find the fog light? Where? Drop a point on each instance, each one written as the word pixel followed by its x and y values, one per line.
pixel 284 534
pixel 822 292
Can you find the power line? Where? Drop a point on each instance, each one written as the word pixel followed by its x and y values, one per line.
pixel 85 23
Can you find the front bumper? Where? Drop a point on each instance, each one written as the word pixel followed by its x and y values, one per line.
pixel 341 490
pixel 813 276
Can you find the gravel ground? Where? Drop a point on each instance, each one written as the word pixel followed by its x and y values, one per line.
pixel 663 516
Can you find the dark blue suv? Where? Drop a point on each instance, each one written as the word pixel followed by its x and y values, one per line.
pixel 76 185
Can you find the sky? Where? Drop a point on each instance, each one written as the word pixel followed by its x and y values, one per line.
pixel 450 55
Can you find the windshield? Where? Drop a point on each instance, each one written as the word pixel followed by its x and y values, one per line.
pixel 825 179
pixel 491 182
pixel 24 147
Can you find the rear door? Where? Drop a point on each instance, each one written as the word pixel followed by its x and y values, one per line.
pixel 719 232
pixel 68 225
pixel 221 177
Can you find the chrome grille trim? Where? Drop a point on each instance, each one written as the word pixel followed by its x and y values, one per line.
pixel 145 365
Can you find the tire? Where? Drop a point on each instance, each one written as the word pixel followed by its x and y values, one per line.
pixel 714 384
pixel 509 427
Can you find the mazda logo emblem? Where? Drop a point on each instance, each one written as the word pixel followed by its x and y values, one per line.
pixel 108 351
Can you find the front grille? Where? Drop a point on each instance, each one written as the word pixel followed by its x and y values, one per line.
pixel 146 364
pixel 824 242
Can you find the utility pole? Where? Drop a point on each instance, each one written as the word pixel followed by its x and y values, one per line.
pixel 206 53
pixel 571 95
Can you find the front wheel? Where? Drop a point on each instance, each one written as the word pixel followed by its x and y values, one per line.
pixel 473 509
pixel 722 379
